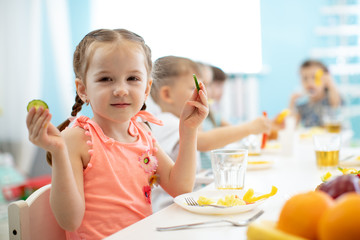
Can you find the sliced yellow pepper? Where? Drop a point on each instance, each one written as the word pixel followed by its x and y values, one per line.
pixel 348 170
pixel 326 177
pixel 250 198
pixel 318 75
pixel 283 114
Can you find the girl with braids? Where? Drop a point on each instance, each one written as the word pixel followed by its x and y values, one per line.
pixel 103 168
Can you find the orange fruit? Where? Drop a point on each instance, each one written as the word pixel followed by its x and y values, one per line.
pixel 342 221
pixel 300 214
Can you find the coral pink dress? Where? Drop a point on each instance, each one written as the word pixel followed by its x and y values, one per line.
pixel 117 179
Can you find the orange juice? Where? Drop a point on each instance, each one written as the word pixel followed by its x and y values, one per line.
pixel 333 127
pixel 327 158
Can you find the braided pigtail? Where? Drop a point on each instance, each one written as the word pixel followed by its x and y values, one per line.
pixel 75 109
pixel 143 108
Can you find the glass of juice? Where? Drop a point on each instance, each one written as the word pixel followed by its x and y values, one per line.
pixel 229 168
pixel 332 119
pixel 327 149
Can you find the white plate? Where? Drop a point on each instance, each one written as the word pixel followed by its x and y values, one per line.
pixel 216 195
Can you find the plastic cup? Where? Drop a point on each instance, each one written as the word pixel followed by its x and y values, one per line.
pixel 229 168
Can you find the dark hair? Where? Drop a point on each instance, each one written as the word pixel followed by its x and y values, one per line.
pixel 168 67
pixel 311 62
pixel 218 74
pixel 83 54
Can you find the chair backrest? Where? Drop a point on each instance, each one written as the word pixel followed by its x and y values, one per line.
pixel 33 219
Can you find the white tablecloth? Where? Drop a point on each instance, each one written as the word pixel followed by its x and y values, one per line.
pixel 291 174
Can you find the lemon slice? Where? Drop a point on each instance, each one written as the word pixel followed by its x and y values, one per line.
pixel 37 103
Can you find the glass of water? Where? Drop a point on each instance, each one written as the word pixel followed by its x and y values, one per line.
pixel 229 167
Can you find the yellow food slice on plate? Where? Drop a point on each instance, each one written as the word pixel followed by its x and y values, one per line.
pixel 259 162
pixel 267 230
pixel 250 198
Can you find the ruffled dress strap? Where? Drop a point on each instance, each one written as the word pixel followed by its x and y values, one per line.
pixel 80 121
pixel 145 116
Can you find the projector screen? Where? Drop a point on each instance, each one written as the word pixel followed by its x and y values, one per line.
pixel 226 34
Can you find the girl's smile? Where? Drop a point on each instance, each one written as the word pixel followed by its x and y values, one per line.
pixel 120 105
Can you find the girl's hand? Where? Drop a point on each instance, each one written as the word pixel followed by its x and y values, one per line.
pixel 196 109
pixel 260 125
pixel 42 132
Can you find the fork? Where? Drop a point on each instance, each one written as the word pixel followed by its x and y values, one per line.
pixel 191 202
pixel 234 223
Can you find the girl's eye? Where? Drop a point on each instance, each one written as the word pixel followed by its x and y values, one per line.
pixel 133 78
pixel 105 79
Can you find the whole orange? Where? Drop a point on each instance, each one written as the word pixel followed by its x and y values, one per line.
pixel 300 214
pixel 342 221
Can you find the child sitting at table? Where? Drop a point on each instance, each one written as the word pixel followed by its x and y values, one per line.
pixel 103 168
pixel 320 94
pixel 172 84
pixel 215 93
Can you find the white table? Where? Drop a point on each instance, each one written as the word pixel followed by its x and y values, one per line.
pixel 290 174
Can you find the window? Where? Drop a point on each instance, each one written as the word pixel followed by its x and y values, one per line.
pixel 226 33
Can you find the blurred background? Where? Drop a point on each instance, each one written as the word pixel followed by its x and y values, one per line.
pixel 259 43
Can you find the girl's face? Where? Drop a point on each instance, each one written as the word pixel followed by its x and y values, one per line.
pixel 117 81
pixel 308 81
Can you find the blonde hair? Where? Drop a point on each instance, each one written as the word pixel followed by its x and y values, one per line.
pixel 83 54
pixel 166 71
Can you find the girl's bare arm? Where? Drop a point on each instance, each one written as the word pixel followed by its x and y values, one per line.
pixel 180 177
pixel 67 194
pixel 222 136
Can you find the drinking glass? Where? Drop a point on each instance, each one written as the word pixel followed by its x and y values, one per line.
pixel 327 148
pixel 252 143
pixel 229 167
pixel 333 119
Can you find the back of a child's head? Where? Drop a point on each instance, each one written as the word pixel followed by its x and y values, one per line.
pixel 85 50
pixel 167 70
pixel 218 74
pixel 311 63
